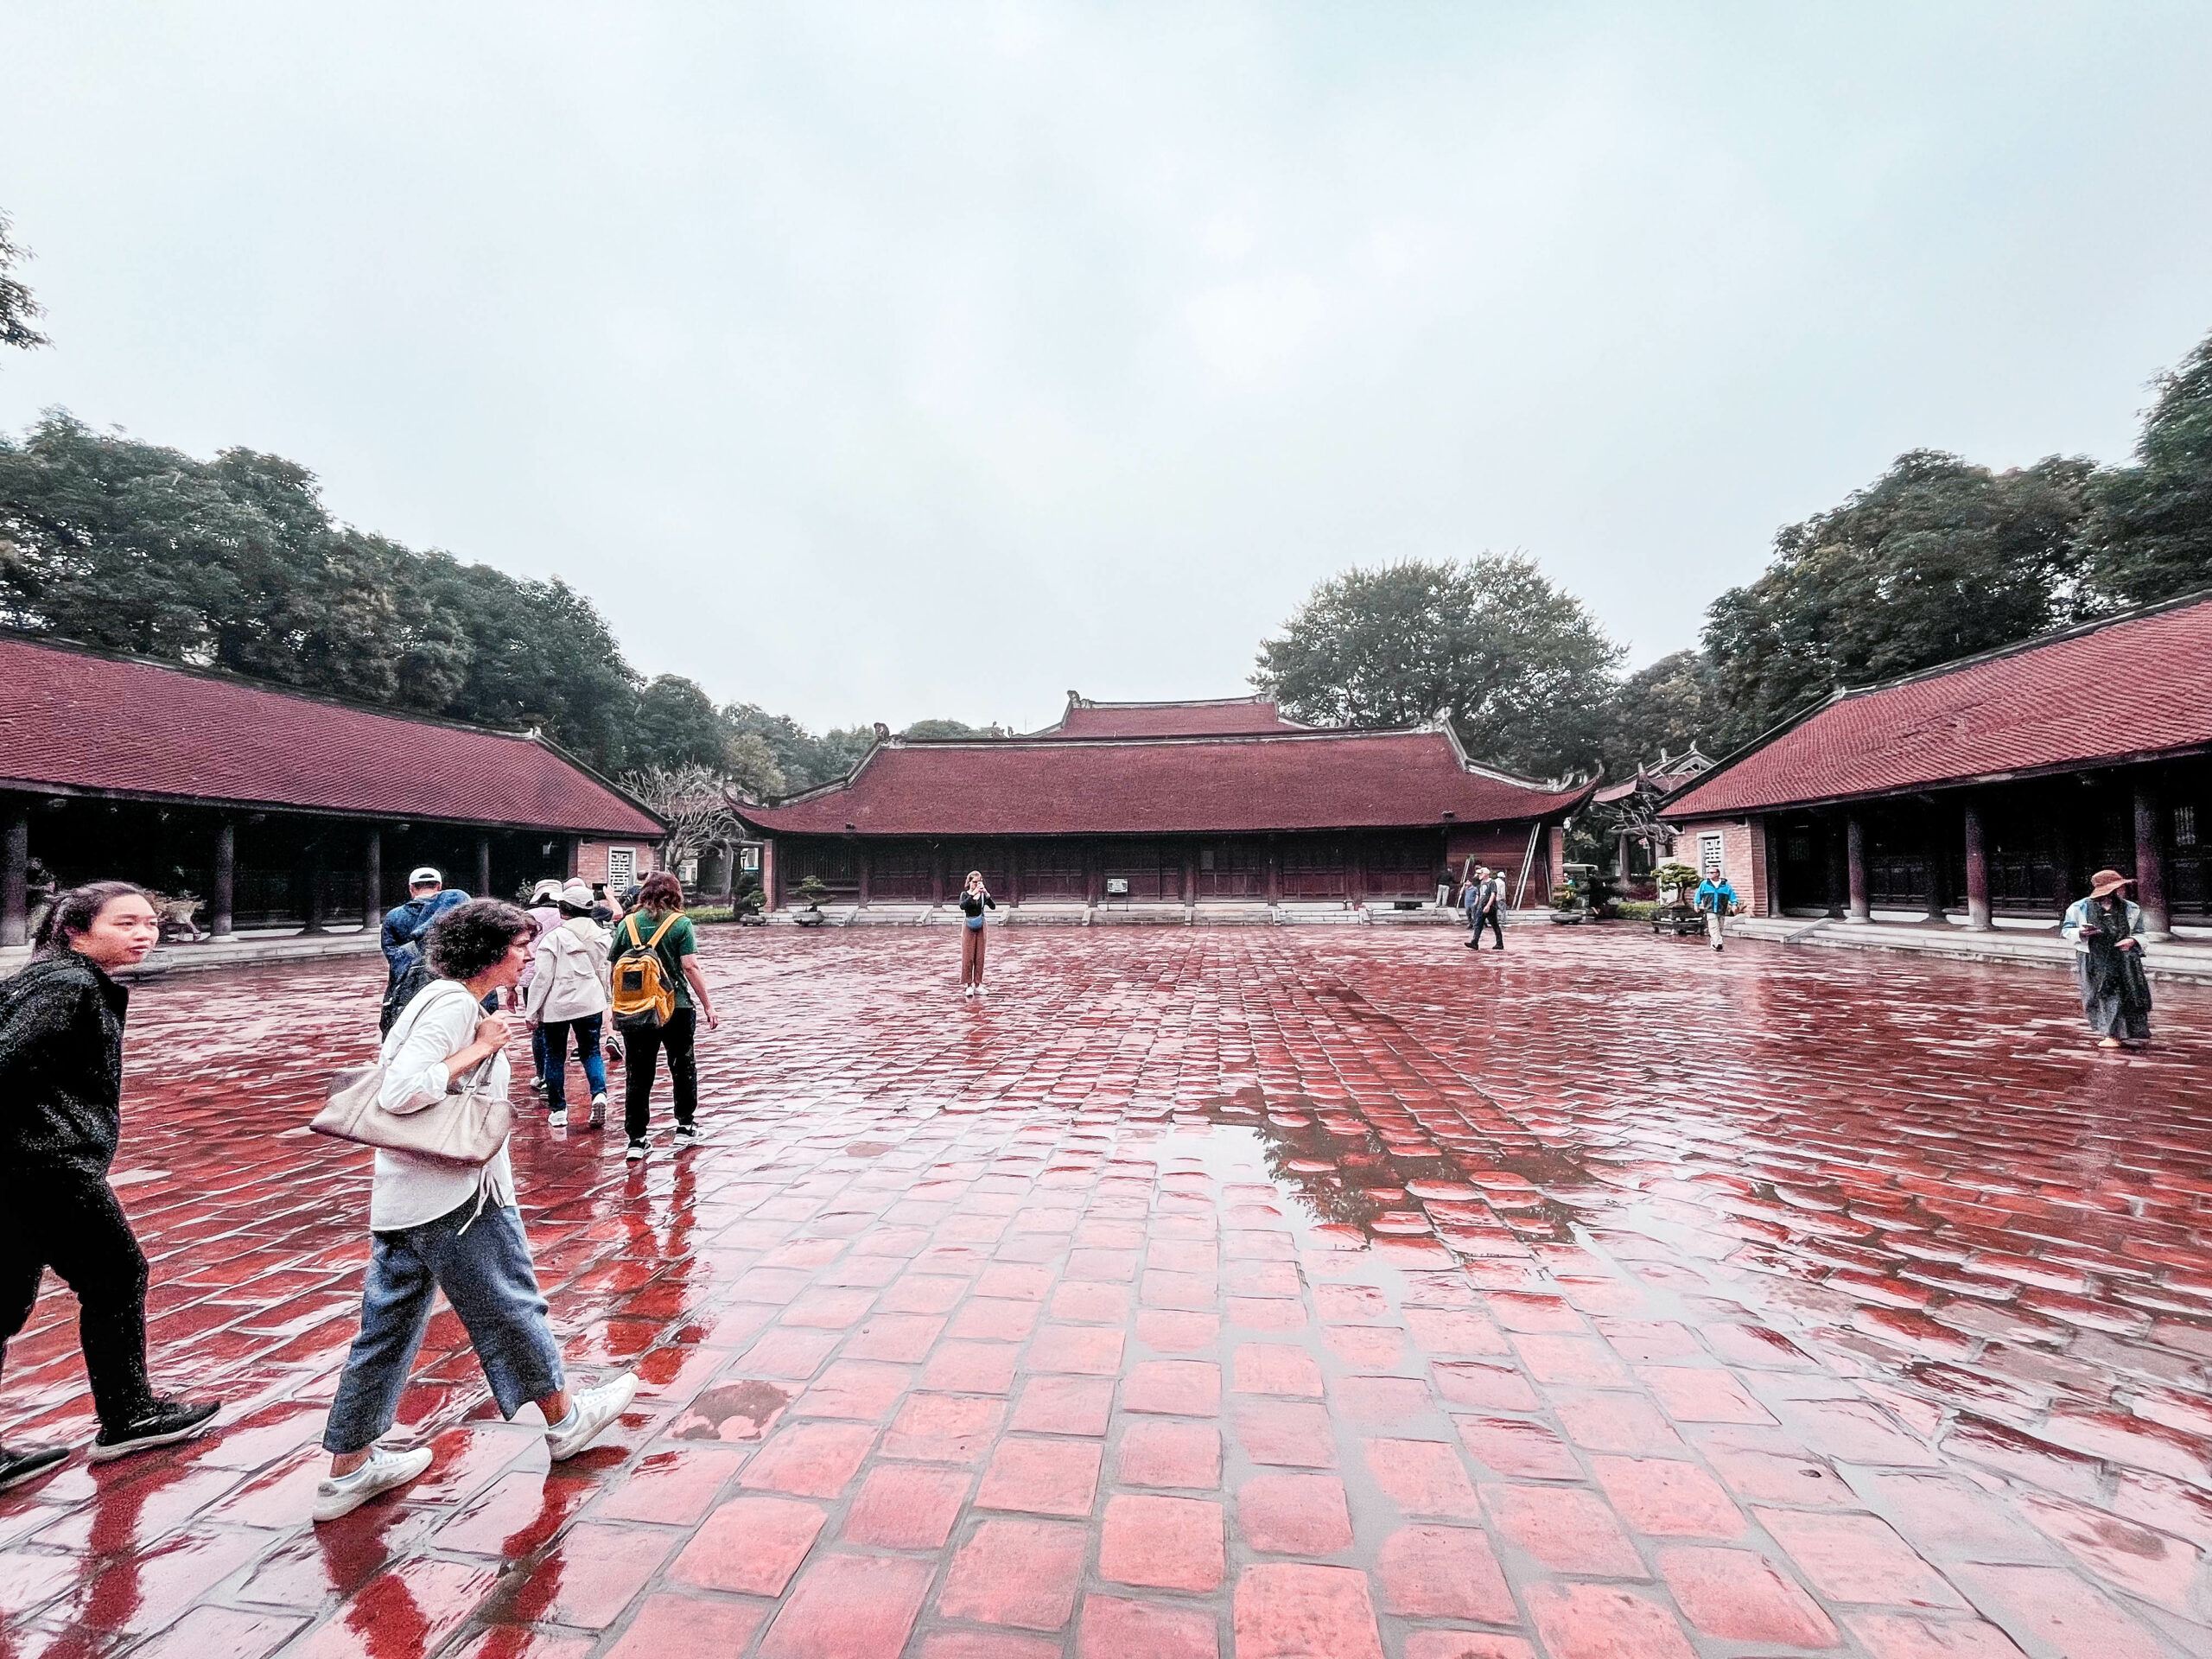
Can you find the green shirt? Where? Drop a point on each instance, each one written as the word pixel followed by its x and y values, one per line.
pixel 677 944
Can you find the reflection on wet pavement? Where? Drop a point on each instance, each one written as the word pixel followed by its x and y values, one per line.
pixel 1236 1291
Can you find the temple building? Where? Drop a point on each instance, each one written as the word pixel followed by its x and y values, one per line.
pixel 277 809
pixel 1167 803
pixel 1985 789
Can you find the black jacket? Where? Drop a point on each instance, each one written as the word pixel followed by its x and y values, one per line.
pixel 61 1066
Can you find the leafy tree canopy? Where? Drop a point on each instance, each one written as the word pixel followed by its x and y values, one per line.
pixel 2149 536
pixel 18 310
pixel 1517 664
pixel 1936 559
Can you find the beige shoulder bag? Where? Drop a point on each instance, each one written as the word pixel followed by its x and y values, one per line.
pixel 469 1127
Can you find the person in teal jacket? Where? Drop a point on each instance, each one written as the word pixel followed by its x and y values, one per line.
pixel 1718 901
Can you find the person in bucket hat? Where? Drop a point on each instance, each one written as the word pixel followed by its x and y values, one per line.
pixel 2105 930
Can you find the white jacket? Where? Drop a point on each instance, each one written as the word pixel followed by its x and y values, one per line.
pixel 571 981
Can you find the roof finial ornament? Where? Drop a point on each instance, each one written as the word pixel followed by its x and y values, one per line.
pixel 882 733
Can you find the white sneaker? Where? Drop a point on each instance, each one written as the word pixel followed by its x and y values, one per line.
pixel 341 1494
pixel 686 1135
pixel 589 1413
pixel 634 1152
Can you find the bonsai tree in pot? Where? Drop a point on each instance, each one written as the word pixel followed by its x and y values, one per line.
pixel 1679 878
pixel 813 889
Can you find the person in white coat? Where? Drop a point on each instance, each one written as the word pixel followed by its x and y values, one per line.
pixel 567 996
pixel 437 1225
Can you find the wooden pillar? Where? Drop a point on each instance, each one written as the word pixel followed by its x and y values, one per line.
pixel 572 858
pixel 1932 865
pixel 1014 875
pixel 220 902
pixel 937 876
pixel 1862 908
pixel 2065 879
pixel 311 868
pixel 867 871
pixel 15 880
pixel 1093 876
pixel 771 877
pixel 1190 873
pixel 1977 869
pixel 483 867
pixel 2151 860
pixel 1356 857
pixel 1275 872
pixel 1839 888
pixel 372 879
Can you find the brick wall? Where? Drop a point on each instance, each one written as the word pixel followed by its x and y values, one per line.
pixel 1743 856
pixel 591 858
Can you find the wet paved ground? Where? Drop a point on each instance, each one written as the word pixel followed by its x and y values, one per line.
pixel 1260 1292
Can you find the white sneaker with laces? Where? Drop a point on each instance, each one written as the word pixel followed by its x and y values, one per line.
pixel 589 1413
pixel 634 1152
pixel 341 1494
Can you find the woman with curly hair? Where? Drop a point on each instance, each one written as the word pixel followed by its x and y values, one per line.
pixel 436 1225
pixel 61 1121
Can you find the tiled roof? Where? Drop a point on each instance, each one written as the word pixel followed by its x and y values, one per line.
pixel 1048 786
pixel 1086 718
pixel 2136 686
pixel 85 720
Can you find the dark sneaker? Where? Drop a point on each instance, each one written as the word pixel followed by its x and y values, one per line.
pixel 164 1423
pixel 28 1463
pixel 686 1136
pixel 635 1153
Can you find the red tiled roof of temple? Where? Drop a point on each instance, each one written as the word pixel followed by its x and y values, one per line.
pixel 78 718
pixel 2130 688
pixel 1213 717
pixel 1225 785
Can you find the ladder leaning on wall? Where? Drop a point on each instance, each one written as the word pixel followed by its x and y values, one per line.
pixel 1528 860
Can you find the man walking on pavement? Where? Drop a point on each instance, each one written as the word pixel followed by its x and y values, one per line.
pixel 428 898
pixel 1486 901
pixel 1718 901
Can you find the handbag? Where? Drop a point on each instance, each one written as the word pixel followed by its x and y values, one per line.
pixel 467 1128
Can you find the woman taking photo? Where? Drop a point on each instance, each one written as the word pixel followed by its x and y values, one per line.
pixel 438 1225
pixel 974 898
pixel 2108 961
pixel 60 1119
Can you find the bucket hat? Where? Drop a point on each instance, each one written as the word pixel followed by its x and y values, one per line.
pixel 2104 881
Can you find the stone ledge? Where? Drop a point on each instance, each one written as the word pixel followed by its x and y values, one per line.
pixel 2187 962
pixel 249 951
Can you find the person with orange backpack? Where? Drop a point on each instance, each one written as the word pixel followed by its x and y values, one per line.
pixel 659 995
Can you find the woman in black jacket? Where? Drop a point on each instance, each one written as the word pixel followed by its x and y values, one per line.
pixel 973 898
pixel 61 1099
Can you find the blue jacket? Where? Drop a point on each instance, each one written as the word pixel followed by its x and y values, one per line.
pixel 405 924
pixel 1716 895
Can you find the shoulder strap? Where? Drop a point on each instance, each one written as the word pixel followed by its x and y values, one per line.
pixel 673 918
pixel 631 923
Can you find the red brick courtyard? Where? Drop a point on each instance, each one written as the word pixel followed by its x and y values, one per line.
pixel 1242 1291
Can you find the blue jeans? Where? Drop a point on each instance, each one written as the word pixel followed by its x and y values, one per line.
pixel 486 1274
pixel 555 1035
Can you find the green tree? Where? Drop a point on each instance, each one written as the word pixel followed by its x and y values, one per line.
pixel 18 310
pixel 1516 664
pixel 751 766
pixel 805 760
pixel 1936 559
pixel 675 724
pixel 2149 536
pixel 1668 706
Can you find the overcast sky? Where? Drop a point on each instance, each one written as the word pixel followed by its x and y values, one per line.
pixel 887 361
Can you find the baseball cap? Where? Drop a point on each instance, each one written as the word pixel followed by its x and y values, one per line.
pixel 422 873
pixel 578 894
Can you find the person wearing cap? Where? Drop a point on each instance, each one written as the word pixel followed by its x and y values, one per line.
pixel 1484 901
pixel 2105 930
pixel 404 926
pixel 545 911
pixel 569 996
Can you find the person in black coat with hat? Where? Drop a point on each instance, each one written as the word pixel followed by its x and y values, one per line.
pixel 60 1119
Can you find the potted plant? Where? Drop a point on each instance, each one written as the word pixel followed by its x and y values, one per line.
pixel 813 889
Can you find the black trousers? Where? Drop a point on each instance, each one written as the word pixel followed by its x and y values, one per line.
pixel 1488 918
pixel 71 1222
pixel 641 1049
